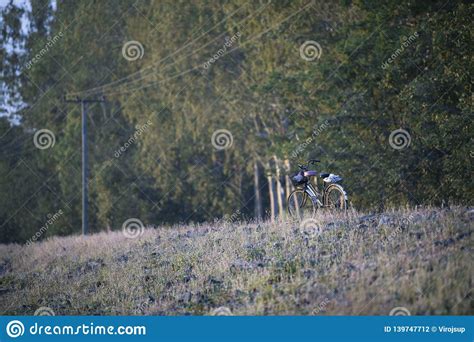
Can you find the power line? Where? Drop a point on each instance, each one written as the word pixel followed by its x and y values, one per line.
pixel 96 89
pixel 156 64
pixel 152 83
pixel 198 66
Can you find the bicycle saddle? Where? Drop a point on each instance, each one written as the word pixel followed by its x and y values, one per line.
pixel 310 173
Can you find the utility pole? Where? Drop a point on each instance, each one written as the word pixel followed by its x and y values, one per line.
pixel 84 102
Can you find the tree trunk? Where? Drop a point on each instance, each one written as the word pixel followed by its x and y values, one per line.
pixel 271 192
pixel 279 188
pixel 288 185
pixel 258 195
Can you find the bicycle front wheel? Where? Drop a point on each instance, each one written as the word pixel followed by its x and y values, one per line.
pixel 300 204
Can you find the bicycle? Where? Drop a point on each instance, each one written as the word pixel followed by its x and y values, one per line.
pixel 306 198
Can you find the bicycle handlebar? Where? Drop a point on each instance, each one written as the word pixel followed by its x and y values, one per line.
pixel 310 161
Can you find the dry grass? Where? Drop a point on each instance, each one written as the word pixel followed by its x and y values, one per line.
pixel 357 265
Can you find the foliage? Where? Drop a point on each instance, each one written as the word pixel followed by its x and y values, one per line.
pixel 261 90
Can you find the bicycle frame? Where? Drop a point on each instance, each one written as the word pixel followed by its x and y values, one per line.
pixel 313 193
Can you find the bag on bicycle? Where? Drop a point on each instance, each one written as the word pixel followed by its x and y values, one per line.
pixel 298 178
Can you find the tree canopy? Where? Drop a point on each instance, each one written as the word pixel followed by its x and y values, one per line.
pixel 380 91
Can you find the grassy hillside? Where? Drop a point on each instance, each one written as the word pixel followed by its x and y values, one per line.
pixel 354 264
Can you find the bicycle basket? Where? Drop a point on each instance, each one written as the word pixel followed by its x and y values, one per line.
pixel 299 179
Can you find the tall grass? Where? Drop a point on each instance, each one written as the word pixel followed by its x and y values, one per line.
pixel 339 264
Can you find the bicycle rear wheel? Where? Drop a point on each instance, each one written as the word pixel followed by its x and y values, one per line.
pixel 300 205
pixel 335 197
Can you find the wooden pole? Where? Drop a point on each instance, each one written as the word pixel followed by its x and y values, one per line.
pixel 85 221
pixel 258 196
pixel 83 102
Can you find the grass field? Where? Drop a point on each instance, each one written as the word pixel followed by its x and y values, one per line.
pixel 353 264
